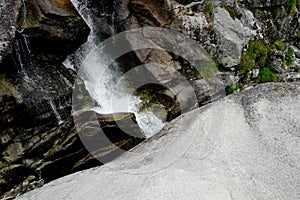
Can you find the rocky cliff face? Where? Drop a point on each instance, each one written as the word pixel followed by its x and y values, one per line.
pixel 249 42
pixel 36 88
pixel 37 131
pixel 244 146
pixel 238 35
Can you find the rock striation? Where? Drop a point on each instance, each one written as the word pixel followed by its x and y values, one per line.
pixel 35 154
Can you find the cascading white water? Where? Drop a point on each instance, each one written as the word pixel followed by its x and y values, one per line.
pixel 73 61
pixel 102 81
pixel 57 115
pixel 22 47
pixel 22 70
pixel 107 87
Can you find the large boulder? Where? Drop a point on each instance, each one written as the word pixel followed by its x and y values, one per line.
pixel 54 28
pixel 232 36
pixel 245 146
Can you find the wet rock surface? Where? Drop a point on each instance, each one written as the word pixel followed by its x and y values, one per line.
pixel 36 153
pixel 53 27
pixel 35 93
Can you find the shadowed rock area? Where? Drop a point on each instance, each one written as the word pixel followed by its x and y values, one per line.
pixel 245 146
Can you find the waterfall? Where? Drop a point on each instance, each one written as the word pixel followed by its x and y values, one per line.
pixel 110 92
pixel 73 61
pixel 24 60
pixel 20 51
pixel 57 115
pixel 102 81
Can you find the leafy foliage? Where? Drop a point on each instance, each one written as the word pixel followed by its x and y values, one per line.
pixel 232 88
pixel 256 54
pixel 291 6
pixel 234 13
pixel 255 12
pixel 289 56
pixel 267 75
pixel 278 45
pixel 208 8
pixel 276 12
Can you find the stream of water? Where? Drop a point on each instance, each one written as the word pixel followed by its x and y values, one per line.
pixel 101 81
pixel 24 58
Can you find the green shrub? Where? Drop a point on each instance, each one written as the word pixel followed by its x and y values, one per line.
pixel 208 8
pixel 291 6
pixel 277 12
pixel 234 13
pixel 266 75
pixel 247 63
pixel 232 88
pixel 256 54
pixel 259 49
pixel 289 56
pixel 255 12
pixel 288 80
pixel 278 45
pixel 279 26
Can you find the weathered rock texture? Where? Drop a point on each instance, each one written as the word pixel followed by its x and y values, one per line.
pixel 245 146
pixel 233 37
pixel 279 20
pixel 9 11
pixel 224 30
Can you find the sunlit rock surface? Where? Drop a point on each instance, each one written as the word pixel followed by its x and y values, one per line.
pixel 245 146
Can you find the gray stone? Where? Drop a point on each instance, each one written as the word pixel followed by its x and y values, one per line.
pixel 276 65
pixel 254 73
pixel 245 146
pixel 9 11
pixel 296 51
pixel 233 36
